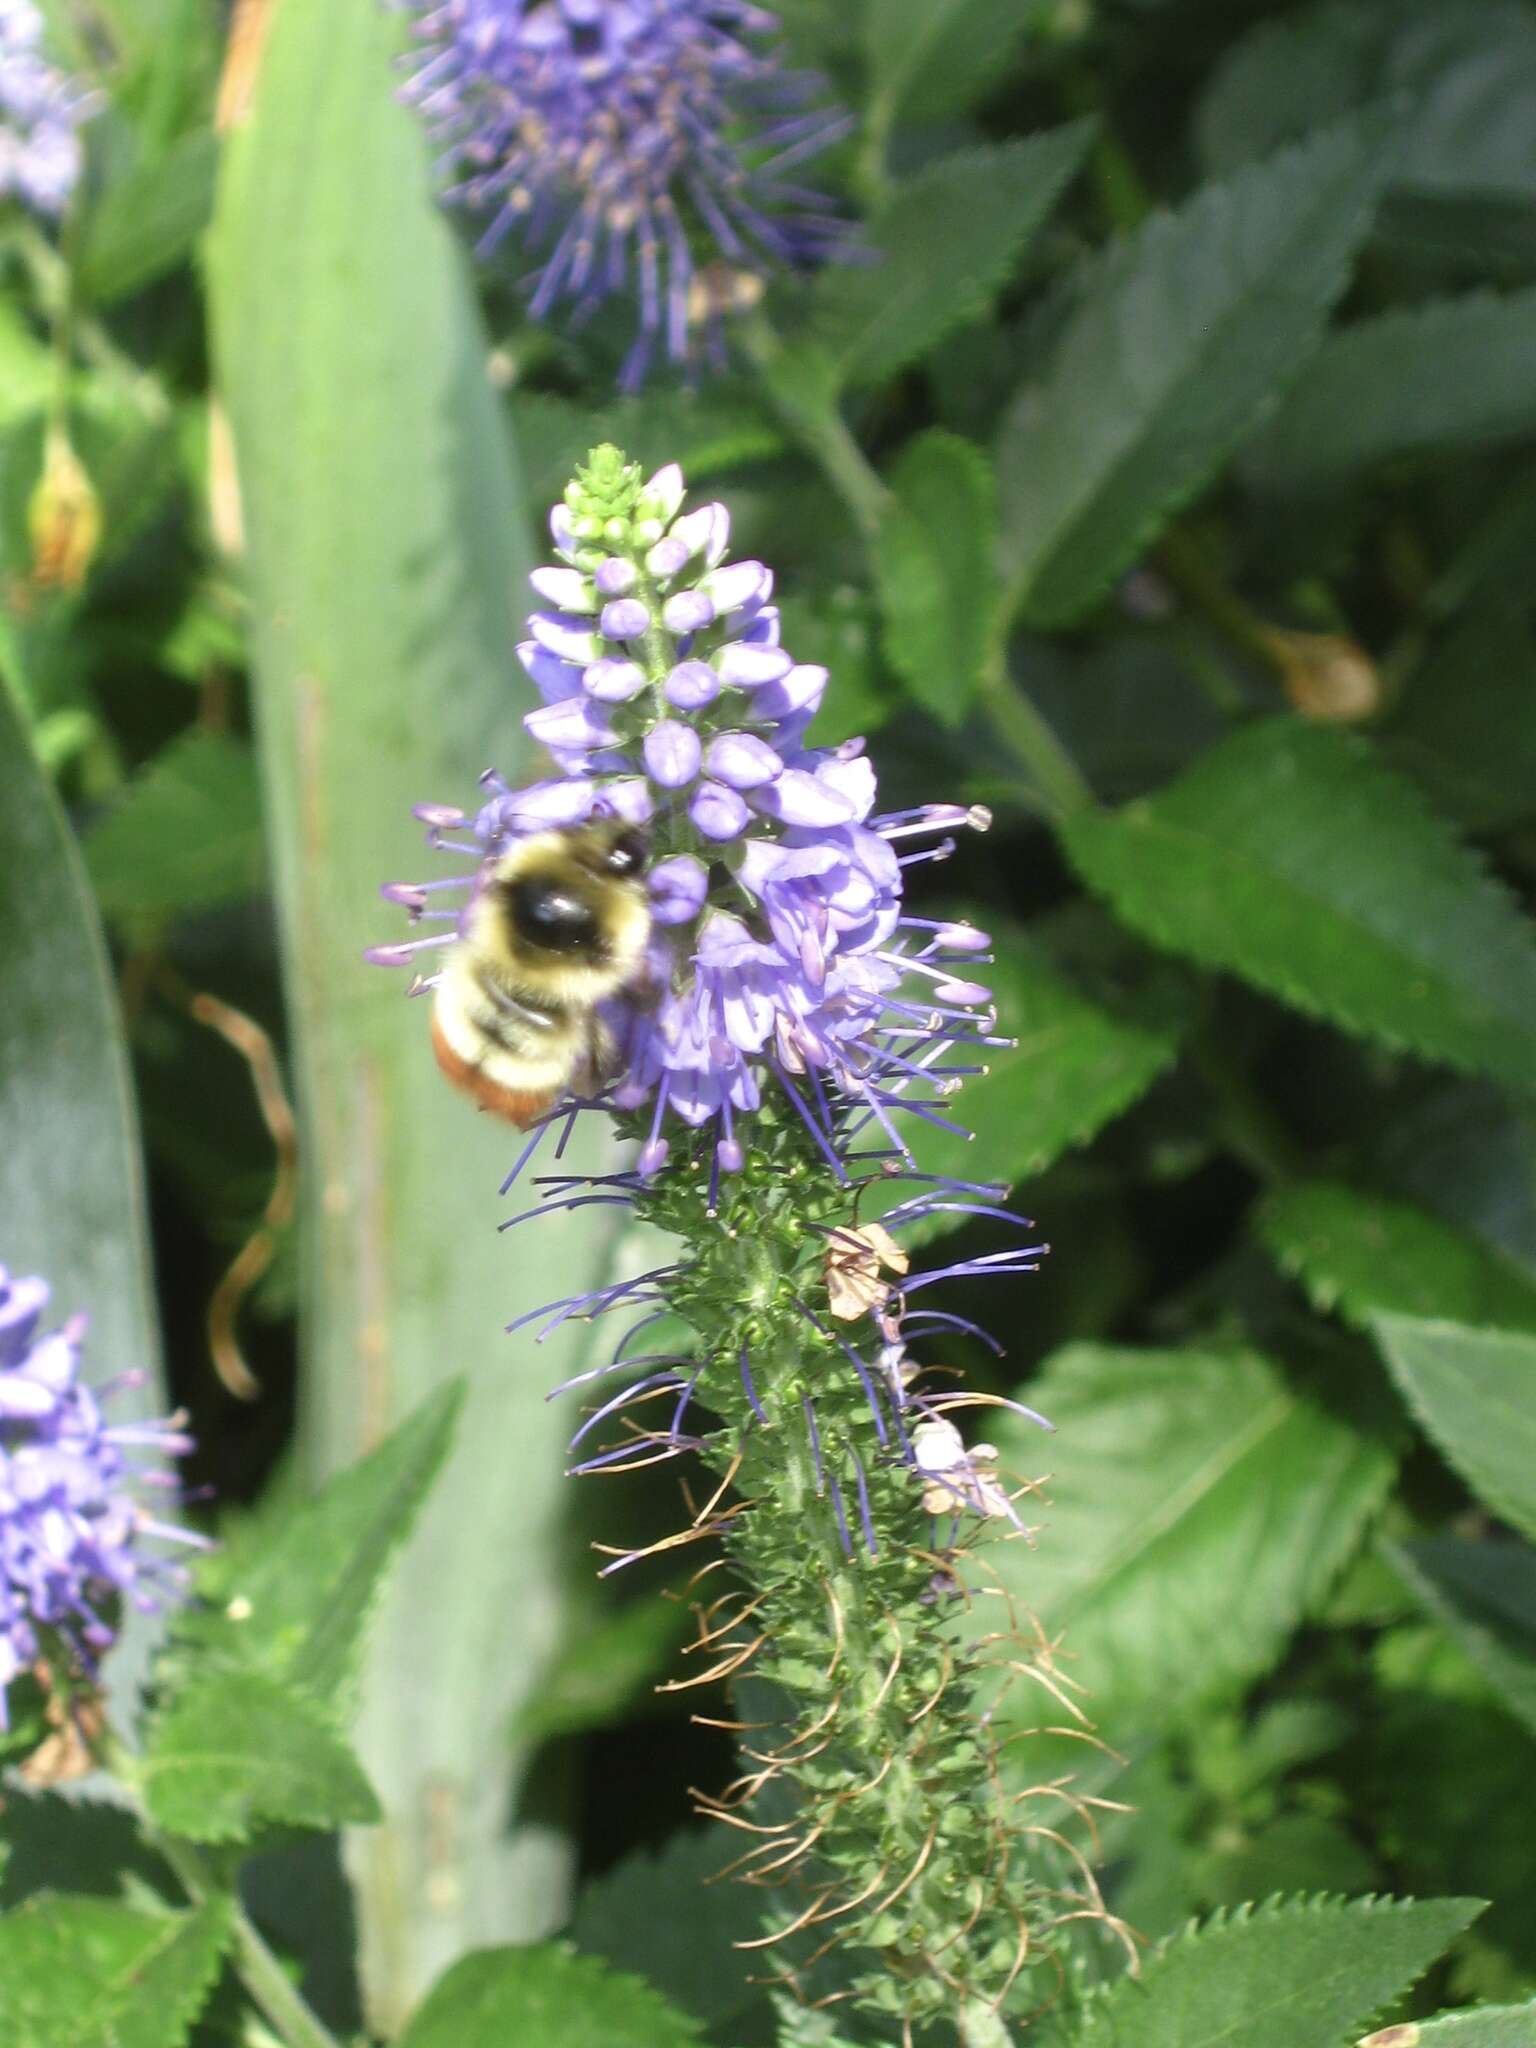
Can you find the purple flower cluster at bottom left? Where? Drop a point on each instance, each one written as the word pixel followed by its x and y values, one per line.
pixel 72 1534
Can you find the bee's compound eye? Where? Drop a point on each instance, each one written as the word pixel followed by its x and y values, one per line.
pixel 545 914
pixel 627 854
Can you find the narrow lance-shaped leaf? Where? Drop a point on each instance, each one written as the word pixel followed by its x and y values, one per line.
pixel 1182 338
pixel 938 584
pixel 387 570
pixel 1291 856
pixel 1485 1595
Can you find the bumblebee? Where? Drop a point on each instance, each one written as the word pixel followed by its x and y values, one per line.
pixel 559 925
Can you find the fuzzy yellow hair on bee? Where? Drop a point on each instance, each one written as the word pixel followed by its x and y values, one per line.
pixel 560 924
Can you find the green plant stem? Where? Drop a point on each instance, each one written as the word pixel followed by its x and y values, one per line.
pixel 820 430
pixel 1058 782
pixel 1183 561
pixel 53 282
pixel 1250 1127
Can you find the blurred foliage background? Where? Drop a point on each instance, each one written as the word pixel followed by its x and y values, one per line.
pixel 1169 486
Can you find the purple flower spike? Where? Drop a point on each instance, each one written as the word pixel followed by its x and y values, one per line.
pixel 742 760
pixel 718 812
pixel 692 685
pixel 640 146
pixel 612 681
pixel 71 1533
pixel 678 888
pixel 672 753
pixel 40 110
pixel 625 619
pixel 687 612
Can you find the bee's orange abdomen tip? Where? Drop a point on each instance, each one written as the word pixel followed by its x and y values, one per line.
pixel 519 1106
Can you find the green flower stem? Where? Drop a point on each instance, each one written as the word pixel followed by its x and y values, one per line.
pixel 813 418
pixel 1184 562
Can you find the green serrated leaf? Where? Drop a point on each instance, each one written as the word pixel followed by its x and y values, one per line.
pixel 1291 856
pixel 1294 1974
pixel 944 246
pixel 1489 2026
pixel 1465 726
pixel 1469 131
pixel 235 1748
pixel 1364 1254
pixel 938 587
pixel 1474 1391
pixel 88 1973
pixel 186 835
pixel 705 432
pixel 71 1187
pixel 1452 375
pixel 659 1915
pixel 296 1599
pixel 1485 1595
pixel 1173 1476
pixel 929 60
pixel 1181 340
pixel 1074 1069
pixel 149 220
pixel 504 1995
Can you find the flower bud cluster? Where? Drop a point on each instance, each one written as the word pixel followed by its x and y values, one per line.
pixel 40 111
pixel 72 1534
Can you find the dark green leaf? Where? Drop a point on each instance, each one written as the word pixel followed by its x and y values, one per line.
pixel 660 1916
pixel 945 245
pixel 1485 1594
pixel 605 1669
pixel 931 59
pixel 499 1996
pixel 1363 1254
pixel 1465 728
pixel 1293 1974
pixel 297 1600
pixel 150 220
pixel 1475 1393
pixel 185 836
pixel 1469 131
pixel 1291 856
pixel 1075 1067
pixel 1173 1477
pixel 705 432
pixel 88 1973
pixel 939 590
pixel 1451 375
pixel 71 1190
pixel 235 1748
pixel 1180 341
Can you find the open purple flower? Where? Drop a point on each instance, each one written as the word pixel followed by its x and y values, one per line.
pixel 645 147
pixel 40 110
pixel 72 1535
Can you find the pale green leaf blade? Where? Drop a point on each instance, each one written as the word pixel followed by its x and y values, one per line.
pixel 1180 341
pixel 938 587
pixel 1486 2026
pixel 1485 1594
pixel 89 1973
pixel 235 1748
pixel 1474 1391
pixel 71 1173
pixel 149 220
pixel 1293 1974
pixel 1425 380
pixel 945 245
pixel 1172 1477
pixel 186 834
pixel 296 1599
pixel 387 561
pixel 1291 856
pixel 498 1996
pixel 1365 1253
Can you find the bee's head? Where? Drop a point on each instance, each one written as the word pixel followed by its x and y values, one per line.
pixel 569 895
pixel 615 849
